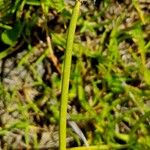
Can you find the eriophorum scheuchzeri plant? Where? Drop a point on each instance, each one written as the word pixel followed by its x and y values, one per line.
pixel 66 75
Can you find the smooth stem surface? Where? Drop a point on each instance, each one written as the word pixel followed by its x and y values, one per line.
pixel 100 147
pixel 66 76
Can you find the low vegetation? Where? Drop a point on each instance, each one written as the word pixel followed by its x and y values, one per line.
pixel 109 86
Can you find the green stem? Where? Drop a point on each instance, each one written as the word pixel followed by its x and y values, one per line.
pixel 100 147
pixel 66 76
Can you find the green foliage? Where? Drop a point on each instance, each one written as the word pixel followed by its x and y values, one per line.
pixel 11 36
pixel 46 4
pixel 109 87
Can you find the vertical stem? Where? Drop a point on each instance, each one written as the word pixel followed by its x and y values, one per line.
pixel 66 76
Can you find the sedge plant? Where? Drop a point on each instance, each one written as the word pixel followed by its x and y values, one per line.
pixel 66 76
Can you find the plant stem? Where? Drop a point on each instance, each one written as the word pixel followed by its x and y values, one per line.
pixel 66 76
pixel 100 147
